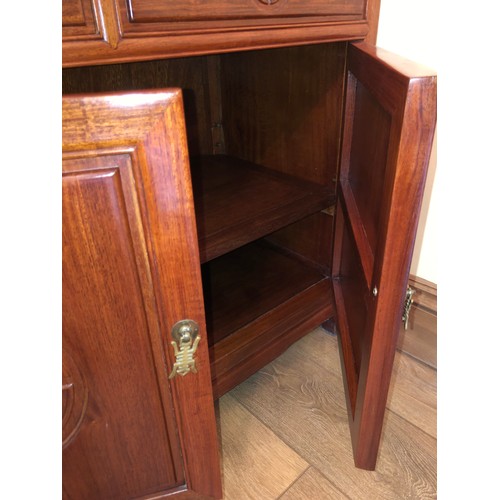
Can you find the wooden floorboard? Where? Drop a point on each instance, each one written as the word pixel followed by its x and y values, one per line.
pixel 256 463
pixel 312 485
pixel 297 403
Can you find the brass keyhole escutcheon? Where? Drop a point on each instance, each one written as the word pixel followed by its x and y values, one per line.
pixel 185 343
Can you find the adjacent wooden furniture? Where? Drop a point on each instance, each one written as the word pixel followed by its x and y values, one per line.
pixel 307 165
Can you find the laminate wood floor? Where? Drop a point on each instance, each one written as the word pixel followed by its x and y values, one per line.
pixel 284 432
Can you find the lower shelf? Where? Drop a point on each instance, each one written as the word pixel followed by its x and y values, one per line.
pixel 258 302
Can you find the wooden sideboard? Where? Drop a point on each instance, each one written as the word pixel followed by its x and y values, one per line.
pixel 277 190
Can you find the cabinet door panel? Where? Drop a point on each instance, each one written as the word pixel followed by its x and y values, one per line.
pixel 131 271
pixel 390 113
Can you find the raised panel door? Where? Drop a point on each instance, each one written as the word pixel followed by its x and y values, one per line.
pixel 390 114
pixel 130 272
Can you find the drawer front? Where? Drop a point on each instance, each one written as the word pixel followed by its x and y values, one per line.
pixel 135 30
pixel 78 18
pixel 195 10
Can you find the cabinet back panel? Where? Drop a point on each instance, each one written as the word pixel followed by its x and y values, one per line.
pixel 309 239
pixel 189 74
pixel 282 108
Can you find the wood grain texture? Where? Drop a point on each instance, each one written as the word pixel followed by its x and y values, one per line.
pixel 255 461
pixel 189 74
pixel 150 29
pixel 372 16
pixel 107 344
pixel 299 397
pixel 412 393
pixel 259 300
pixel 254 345
pixel 148 128
pixel 312 484
pixel 237 202
pixel 407 94
pixel 283 109
pixel 310 239
pixel 157 11
pixel 248 283
pixel 78 18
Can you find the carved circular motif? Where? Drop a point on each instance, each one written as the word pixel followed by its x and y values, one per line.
pixel 74 399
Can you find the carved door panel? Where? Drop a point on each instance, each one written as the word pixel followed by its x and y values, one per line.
pixel 130 272
pixel 390 113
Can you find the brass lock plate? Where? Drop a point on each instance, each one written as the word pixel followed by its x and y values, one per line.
pixel 185 343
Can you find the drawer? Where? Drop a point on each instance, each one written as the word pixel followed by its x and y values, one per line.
pixel 245 11
pixel 78 18
pixel 135 30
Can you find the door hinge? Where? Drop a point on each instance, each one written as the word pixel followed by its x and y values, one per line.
pixel 407 306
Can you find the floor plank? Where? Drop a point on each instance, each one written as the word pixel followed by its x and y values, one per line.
pixel 312 485
pixel 412 393
pixel 300 397
pixel 256 463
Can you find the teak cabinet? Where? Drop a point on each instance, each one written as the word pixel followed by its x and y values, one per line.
pixel 258 193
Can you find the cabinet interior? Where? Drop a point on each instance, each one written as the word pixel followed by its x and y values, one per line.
pixel 263 130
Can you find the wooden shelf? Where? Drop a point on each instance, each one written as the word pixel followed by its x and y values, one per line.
pixel 238 202
pixel 255 297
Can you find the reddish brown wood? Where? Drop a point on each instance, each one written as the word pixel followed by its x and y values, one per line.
pixel 159 11
pixel 238 202
pixel 189 74
pixel 309 239
pixel 130 271
pixel 214 90
pixel 256 344
pixel 206 40
pixel 90 22
pixel 245 284
pixel 283 109
pixel 407 95
pixel 79 18
pixel 259 301
pixel 372 16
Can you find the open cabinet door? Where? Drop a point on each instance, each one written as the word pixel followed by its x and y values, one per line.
pixel 389 124
pixel 138 421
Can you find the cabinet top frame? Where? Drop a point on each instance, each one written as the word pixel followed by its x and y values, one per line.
pixel 105 31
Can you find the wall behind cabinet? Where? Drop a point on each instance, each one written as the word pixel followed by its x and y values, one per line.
pixel 402 24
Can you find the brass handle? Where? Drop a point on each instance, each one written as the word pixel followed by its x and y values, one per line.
pixel 185 343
